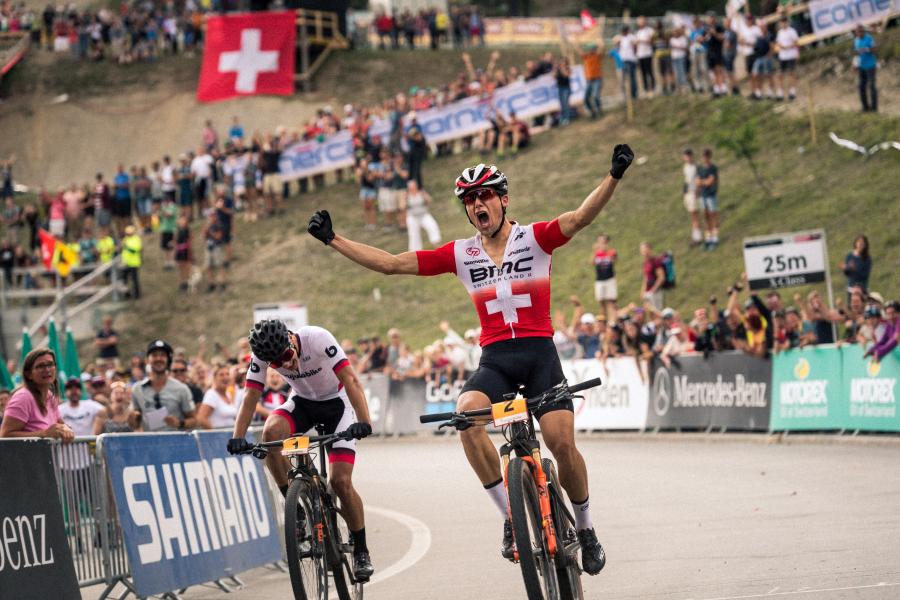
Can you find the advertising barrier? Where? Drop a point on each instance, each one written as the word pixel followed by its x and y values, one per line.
pixel 190 513
pixel 833 17
pixel 619 403
pixel 377 395
pixel 730 390
pixel 453 121
pixel 829 387
pixel 35 559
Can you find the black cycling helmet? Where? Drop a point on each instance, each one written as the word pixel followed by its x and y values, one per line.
pixel 268 339
pixel 160 345
pixel 481 176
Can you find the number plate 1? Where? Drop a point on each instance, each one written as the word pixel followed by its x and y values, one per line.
pixel 295 445
pixel 509 411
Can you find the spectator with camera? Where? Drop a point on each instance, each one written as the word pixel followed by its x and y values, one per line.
pixel 890 335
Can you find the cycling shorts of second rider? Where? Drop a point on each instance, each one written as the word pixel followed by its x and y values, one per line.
pixel 335 414
pixel 507 364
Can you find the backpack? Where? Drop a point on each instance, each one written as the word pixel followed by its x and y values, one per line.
pixel 668 264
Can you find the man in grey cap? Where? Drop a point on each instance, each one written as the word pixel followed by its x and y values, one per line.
pixel 162 402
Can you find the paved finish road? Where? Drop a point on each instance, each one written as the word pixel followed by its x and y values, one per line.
pixel 681 517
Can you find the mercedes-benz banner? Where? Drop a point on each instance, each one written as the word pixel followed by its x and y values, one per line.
pixel 731 390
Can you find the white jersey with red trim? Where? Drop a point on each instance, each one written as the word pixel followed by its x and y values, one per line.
pixel 321 359
pixel 513 299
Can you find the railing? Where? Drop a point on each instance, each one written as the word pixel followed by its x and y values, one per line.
pixel 13 47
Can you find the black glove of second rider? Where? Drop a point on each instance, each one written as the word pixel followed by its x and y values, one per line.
pixel 621 160
pixel 320 227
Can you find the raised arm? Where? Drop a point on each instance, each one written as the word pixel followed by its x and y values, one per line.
pixel 574 221
pixel 320 227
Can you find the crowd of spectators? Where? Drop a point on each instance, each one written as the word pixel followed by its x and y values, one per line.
pixel 462 27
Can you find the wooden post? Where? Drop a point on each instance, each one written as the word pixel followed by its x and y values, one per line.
pixel 811 109
pixel 304 53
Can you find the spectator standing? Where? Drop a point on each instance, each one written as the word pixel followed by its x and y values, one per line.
pixel 218 409
pixel 629 61
pixel 708 188
pixel 644 51
pixel 747 32
pixel 132 255
pixel 57 214
pixel 6 177
pixel 729 54
pixel 866 64
pixel 210 137
pixel 202 170
pixel 122 201
pixel 168 216
pixel 12 219
pixel 185 187
pixel 699 63
pixel 183 253
pixel 857 266
pixel 224 207
pixel 167 180
pixel 143 199
pixel 418 217
pixel 653 277
pixel 662 53
pixel 763 65
pixel 788 54
pixel 33 408
pixel 714 38
pixel 236 131
pixel 82 416
pixel 592 62
pixel 214 234
pixel 689 194
pixel 606 291
pixel 107 342
pixel 271 175
pixel 368 193
pixel 418 148
pixel 679 44
pixel 162 402
pixel 563 76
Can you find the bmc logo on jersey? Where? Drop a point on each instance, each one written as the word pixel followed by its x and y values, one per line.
pixel 519 266
pixel 473 251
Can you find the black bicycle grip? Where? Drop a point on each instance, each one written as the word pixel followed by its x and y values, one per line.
pixel 435 417
pixel 584 385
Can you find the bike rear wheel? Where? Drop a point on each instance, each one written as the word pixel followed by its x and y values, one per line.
pixel 538 570
pixel 347 587
pixel 303 522
pixel 568 573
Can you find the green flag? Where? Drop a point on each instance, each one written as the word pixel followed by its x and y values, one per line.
pixel 6 382
pixel 26 348
pixel 70 365
pixel 53 344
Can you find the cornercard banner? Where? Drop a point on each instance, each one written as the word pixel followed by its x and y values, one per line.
pixel 727 389
pixel 35 561
pixel 189 512
pixel 619 403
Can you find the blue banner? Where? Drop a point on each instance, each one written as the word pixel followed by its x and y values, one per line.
pixel 190 513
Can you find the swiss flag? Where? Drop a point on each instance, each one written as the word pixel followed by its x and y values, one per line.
pixel 248 54
pixel 587 21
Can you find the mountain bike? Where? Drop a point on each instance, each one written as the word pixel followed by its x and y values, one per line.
pixel 316 537
pixel 543 527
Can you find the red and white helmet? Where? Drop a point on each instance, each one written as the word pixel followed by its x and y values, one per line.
pixel 481 176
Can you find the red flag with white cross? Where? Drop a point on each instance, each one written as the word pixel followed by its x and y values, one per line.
pixel 248 54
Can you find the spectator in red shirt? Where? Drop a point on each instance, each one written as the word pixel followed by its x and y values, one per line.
pixel 605 289
pixel 653 277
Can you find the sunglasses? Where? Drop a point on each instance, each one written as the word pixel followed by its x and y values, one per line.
pixel 482 194
pixel 156 401
pixel 179 370
pixel 286 357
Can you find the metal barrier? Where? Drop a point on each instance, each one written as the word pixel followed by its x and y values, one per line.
pixel 92 524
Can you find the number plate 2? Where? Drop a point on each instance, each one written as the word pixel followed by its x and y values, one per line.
pixel 509 411
pixel 295 446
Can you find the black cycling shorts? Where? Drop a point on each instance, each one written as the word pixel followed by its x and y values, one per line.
pixel 505 365
pixel 335 414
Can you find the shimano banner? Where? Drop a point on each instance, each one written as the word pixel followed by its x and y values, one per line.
pixel 35 561
pixel 727 389
pixel 619 403
pixel 453 121
pixel 189 512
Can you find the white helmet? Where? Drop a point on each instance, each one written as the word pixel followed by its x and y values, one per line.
pixel 481 176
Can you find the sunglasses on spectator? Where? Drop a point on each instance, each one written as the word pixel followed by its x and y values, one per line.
pixel 286 357
pixel 157 402
pixel 179 370
pixel 44 366
pixel 482 194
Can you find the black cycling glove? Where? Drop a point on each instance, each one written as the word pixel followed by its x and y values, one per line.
pixel 320 227
pixel 621 160
pixel 360 430
pixel 239 446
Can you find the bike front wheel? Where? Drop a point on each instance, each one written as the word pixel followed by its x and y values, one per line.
pixel 568 574
pixel 538 570
pixel 304 542
pixel 342 570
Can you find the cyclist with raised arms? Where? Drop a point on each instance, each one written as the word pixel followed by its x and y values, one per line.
pixel 506 270
pixel 326 390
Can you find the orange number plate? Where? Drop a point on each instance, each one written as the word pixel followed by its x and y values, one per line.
pixel 509 411
pixel 295 445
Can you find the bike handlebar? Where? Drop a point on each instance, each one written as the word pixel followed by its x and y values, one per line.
pixel 531 402
pixel 320 440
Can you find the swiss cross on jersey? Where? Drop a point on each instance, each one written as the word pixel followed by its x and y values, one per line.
pixel 248 54
pixel 512 299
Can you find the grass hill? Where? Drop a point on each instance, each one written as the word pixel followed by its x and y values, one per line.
pixel 815 186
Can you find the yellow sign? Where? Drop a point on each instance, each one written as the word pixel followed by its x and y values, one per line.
pixel 509 411
pixel 295 445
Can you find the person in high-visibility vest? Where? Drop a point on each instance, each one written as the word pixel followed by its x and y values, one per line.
pixel 106 246
pixel 132 247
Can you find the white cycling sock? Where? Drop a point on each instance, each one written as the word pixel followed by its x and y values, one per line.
pixel 582 515
pixel 497 492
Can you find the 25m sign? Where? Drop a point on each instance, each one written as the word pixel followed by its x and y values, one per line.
pixel 785 260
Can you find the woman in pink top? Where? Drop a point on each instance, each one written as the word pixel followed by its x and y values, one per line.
pixel 33 409
pixel 58 214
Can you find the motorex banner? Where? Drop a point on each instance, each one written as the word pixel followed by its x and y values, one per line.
pixel 453 121
pixel 807 390
pixel 619 403
pixel 870 389
pixel 189 512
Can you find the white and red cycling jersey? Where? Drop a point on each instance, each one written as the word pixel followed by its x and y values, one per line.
pixel 512 300
pixel 321 359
